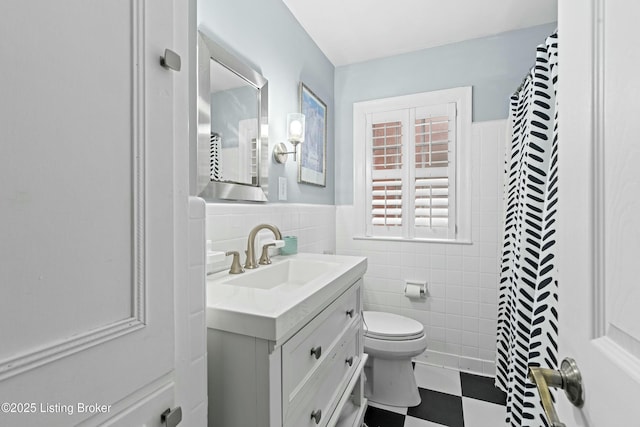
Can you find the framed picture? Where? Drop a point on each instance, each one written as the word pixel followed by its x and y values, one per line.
pixel 312 166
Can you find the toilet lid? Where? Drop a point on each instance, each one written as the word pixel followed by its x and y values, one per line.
pixel 389 326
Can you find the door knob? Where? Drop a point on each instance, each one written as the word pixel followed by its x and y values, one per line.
pixel 170 60
pixel 567 378
pixel 316 416
pixel 171 418
pixel 317 352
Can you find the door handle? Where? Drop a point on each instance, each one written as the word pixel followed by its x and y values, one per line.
pixel 171 418
pixel 567 378
pixel 170 60
pixel 317 352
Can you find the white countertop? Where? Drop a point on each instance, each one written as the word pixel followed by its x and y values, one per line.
pixel 276 314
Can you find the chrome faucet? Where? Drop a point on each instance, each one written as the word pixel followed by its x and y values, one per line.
pixel 251 252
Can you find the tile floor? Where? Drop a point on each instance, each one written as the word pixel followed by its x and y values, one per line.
pixel 449 398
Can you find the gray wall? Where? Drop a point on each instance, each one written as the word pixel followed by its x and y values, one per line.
pixel 494 66
pixel 266 36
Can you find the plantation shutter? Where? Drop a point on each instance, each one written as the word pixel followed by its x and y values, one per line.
pixel 410 172
pixel 434 175
pixel 385 166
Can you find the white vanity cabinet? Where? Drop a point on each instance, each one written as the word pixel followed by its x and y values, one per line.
pixel 312 377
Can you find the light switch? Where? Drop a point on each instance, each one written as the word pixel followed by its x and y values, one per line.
pixel 282 188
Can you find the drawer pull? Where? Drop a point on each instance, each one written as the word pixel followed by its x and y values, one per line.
pixel 351 312
pixel 349 361
pixel 316 416
pixel 317 351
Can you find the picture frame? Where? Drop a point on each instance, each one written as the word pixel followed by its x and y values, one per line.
pixel 312 163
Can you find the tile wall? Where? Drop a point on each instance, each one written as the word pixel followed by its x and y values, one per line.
pixel 459 313
pixel 191 350
pixel 228 225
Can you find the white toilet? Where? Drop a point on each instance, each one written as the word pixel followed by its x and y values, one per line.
pixel 391 341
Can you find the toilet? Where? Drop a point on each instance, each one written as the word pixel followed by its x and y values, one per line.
pixel 391 341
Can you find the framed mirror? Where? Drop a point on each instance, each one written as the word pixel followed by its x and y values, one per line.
pixel 232 126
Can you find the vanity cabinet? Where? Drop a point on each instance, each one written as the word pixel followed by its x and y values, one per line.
pixel 312 378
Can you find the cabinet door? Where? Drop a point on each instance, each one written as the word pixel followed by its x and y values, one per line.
pixel 86 203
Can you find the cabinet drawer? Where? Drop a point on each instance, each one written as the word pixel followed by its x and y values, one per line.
pixel 320 396
pixel 305 352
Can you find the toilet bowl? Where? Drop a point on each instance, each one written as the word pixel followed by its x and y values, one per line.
pixel 391 341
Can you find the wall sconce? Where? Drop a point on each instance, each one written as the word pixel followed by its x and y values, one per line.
pixel 295 135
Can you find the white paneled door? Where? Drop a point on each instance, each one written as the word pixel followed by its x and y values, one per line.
pixel 599 105
pixel 86 213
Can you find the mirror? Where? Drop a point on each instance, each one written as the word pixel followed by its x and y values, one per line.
pixel 232 126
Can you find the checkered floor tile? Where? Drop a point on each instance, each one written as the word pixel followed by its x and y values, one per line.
pixel 449 398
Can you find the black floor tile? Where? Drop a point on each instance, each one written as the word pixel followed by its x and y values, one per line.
pixel 483 388
pixel 439 408
pixel 376 417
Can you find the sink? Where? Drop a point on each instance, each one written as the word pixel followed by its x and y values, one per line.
pixel 286 275
pixel 273 301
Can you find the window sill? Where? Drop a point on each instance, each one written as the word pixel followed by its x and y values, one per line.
pixel 415 240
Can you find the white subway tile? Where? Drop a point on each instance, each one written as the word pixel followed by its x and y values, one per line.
pixel 438 334
pixel 487 354
pixel 470 264
pixel 196 289
pixel 486 342
pixel 470 294
pixel 436 345
pixel 488 311
pixel 453 322
pixel 441 359
pixel 470 324
pixel 471 309
pixel 472 365
pixel 487 326
pixel 454 292
pixel 453 348
pixel 470 278
pixel 488 280
pixel 469 351
pixel 488 296
pixel 454 307
pixel 454 262
pixel 470 339
pixel 438 275
pixel 489 368
pixel 438 319
pixel 197 380
pixel 436 290
pixel 198 328
pixel 454 277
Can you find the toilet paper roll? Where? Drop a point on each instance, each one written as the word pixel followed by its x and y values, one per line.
pixel 412 291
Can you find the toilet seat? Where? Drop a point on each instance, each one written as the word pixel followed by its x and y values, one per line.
pixel 391 327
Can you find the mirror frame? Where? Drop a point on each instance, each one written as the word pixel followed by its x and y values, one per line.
pixel 217 190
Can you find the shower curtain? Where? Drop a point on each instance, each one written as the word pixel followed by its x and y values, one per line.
pixel 528 292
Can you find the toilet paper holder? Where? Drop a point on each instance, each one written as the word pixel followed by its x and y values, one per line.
pixel 415 289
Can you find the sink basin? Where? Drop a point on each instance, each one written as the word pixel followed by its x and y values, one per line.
pixel 290 274
pixel 273 301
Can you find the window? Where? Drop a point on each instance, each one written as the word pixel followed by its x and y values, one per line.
pixel 413 181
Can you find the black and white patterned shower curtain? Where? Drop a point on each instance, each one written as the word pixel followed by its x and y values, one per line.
pixel 528 295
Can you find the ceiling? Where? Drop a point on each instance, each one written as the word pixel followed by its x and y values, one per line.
pixel 350 31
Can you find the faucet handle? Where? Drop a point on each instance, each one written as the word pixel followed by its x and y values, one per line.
pixel 264 258
pixel 236 267
pixel 266 244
